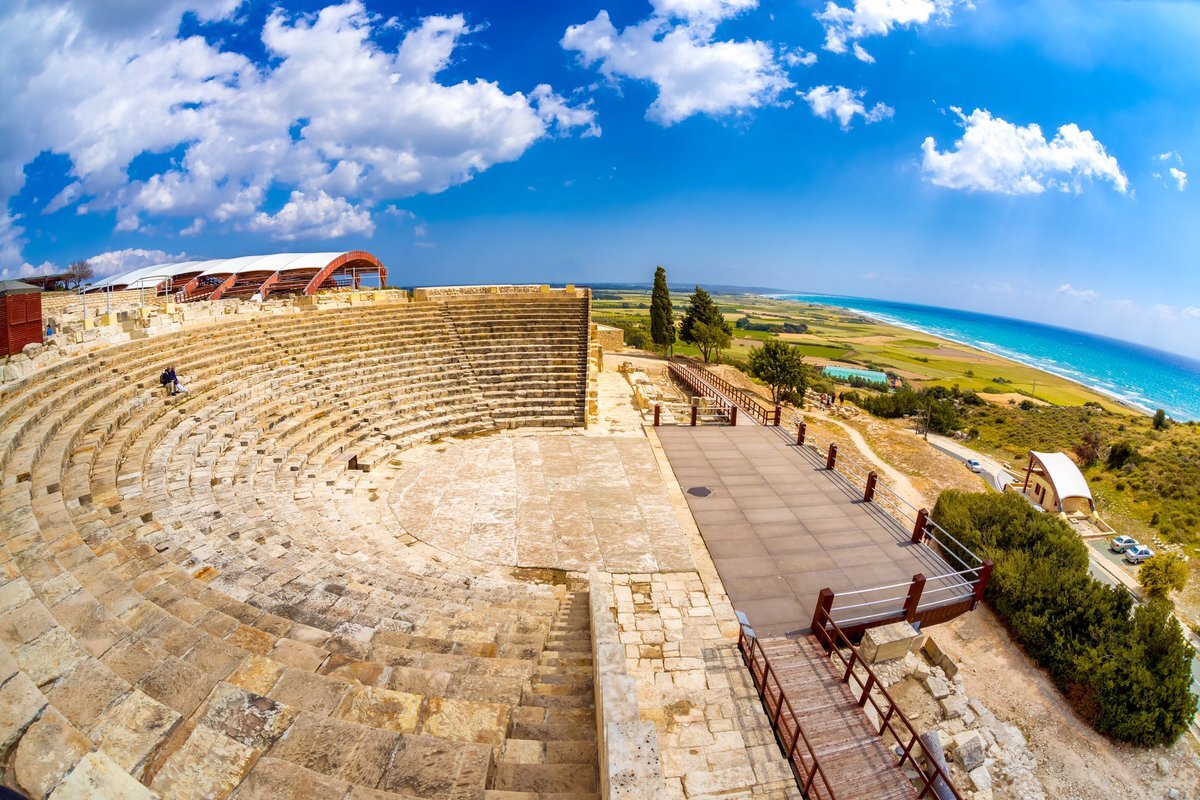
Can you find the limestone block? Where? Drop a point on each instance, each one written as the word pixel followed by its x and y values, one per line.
pixel 48 750
pixel 887 642
pixel 33 349
pixel 20 702
pixel 938 687
pixel 981 779
pixel 953 706
pixel 632 763
pixel 938 658
pixel 968 749
pixel 208 764
pixel 98 777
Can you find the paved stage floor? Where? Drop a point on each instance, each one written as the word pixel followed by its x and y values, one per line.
pixel 780 528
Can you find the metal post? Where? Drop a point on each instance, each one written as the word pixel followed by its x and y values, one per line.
pixel 869 494
pixel 801 431
pixel 657 414
pixel 919 526
pixel 914 597
pixel 822 613
pixel 831 459
pixel 981 582
pixel 733 416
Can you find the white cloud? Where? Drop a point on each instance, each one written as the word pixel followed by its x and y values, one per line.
pixel 1180 178
pixel 799 57
pixel 314 217
pixel 693 72
pixel 844 26
pixel 994 155
pixel 1191 312
pixel 828 102
pixel 1171 155
pixel 114 261
pixel 331 112
pixel 1086 295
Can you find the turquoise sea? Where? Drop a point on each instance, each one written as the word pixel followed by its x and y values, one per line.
pixel 1140 376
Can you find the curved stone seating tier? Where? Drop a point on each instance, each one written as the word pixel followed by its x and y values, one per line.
pixel 201 597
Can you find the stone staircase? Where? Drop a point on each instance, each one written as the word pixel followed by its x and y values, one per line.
pixel 198 598
pixel 550 750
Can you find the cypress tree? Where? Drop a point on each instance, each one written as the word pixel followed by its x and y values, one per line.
pixel 662 319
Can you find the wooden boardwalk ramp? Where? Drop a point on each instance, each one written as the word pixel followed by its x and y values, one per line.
pixel 855 763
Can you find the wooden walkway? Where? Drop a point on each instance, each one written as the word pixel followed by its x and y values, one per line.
pixel 855 760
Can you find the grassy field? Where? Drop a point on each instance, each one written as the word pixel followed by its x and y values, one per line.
pixel 845 337
pixel 1157 491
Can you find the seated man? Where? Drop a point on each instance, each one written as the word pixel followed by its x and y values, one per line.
pixel 171 381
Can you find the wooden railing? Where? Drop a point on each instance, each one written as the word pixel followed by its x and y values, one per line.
pixel 801 756
pixel 932 777
pixel 695 382
pixel 701 381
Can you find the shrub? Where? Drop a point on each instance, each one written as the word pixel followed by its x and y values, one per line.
pixel 1129 676
pixel 1160 420
pixel 1121 454
pixel 1162 574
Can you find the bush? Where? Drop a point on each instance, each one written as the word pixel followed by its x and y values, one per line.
pixel 1129 676
pixel 1160 420
pixel 1122 453
pixel 1162 574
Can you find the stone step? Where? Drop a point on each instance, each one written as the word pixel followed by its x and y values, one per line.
pixel 551 724
pixel 545 778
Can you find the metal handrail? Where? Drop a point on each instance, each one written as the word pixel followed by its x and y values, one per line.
pixel 832 639
pixel 806 775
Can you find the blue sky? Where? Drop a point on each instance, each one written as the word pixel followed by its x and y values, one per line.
pixel 878 148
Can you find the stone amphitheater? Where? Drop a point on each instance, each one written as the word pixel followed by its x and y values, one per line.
pixel 376 551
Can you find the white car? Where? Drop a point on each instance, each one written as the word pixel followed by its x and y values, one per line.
pixel 1122 543
pixel 1138 553
pixel 974 465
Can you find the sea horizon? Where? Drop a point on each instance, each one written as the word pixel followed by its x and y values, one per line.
pixel 1143 377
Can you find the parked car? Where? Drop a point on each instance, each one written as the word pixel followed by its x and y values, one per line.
pixel 1138 553
pixel 1121 544
pixel 974 465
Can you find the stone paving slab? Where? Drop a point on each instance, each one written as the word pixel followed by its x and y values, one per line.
pixel 548 500
pixel 780 528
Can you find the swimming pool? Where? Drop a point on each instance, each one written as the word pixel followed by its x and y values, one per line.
pixel 845 373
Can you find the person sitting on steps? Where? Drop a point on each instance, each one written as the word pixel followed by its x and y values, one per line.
pixel 171 381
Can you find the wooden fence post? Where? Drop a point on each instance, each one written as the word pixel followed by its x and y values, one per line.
pixel 914 597
pixel 733 416
pixel 831 459
pixel 981 582
pixel 800 434
pixel 695 412
pixel 822 613
pixel 657 414
pixel 778 414
pixel 869 493
pixel 919 526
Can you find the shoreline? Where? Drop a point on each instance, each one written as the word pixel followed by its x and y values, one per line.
pixel 999 352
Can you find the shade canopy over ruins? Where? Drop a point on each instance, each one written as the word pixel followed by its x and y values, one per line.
pixel 296 273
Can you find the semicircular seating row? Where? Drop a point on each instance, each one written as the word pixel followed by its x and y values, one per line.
pixel 199 599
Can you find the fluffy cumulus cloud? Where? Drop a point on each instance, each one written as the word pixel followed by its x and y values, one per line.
pixel 332 116
pixel 677 51
pixel 1086 295
pixel 1179 176
pixel 115 261
pixel 994 155
pixel 829 102
pixel 845 25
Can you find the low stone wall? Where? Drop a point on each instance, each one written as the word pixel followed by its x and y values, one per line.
pixel 627 745
pixel 423 293
pixel 610 338
pixel 57 304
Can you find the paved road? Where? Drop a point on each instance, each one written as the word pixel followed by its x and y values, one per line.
pixel 993 470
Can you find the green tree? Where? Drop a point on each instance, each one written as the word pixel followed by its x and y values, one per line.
pixel 781 367
pixel 1160 420
pixel 704 325
pixel 1162 574
pixel 662 319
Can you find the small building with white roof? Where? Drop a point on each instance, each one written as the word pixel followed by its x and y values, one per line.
pixel 1054 482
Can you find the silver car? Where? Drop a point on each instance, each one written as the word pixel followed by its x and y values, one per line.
pixel 1138 553
pixel 1121 544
